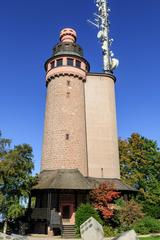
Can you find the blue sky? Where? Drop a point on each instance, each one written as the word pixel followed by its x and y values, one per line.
pixel 30 28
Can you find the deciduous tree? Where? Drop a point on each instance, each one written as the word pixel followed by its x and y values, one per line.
pixel 16 181
pixel 140 167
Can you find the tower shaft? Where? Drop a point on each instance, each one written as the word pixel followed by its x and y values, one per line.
pixel 102 140
pixel 80 120
pixel 64 145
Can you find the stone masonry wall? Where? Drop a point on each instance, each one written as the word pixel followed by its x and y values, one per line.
pixel 64 144
pixel 102 140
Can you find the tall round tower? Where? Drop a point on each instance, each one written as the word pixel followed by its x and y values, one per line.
pixel 64 145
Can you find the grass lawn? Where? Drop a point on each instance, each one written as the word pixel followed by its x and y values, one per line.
pixel 151 238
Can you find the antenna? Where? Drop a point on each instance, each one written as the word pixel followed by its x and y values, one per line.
pixel 101 21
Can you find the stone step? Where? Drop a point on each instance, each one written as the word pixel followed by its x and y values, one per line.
pixel 69 231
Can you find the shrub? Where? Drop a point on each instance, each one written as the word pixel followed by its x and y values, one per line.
pixel 84 212
pixel 152 210
pixel 127 214
pixel 119 202
pixel 109 231
pixel 147 225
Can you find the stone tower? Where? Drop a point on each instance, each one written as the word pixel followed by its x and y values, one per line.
pixel 64 145
pixel 102 140
pixel 80 120
pixel 80 147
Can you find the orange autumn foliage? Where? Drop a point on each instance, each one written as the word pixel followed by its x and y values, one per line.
pixel 102 197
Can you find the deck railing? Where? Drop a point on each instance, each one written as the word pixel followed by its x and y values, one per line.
pixel 41 213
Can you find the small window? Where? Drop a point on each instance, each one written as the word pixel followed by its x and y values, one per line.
pixel 68 83
pixel 102 172
pixel 67 136
pixel 78 64
pixel 70 61
pixel 59 62
pixel 52 64
pixel 68 93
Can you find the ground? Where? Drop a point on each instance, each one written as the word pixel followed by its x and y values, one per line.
pixel 52 238
pixel 150 238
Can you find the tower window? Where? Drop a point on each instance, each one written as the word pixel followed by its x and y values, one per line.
pixel 78 64
pixel 67 136
pixel 59 62
pixel 68 94
pixel 70 61
pixel 68 83
pixel 53 64
pixel 101 172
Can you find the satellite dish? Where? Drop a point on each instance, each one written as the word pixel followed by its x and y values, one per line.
pixel 114 63
pixel 103 48
pixel 99 8
pixel 111 54
pixel 100 34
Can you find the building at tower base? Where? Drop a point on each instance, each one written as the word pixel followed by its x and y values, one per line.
pixel 80 147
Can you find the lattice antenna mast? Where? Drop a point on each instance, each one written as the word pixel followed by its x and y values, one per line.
pixel 101 21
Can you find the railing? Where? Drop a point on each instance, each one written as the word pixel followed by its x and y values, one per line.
pixel 41 213
pixel 68 48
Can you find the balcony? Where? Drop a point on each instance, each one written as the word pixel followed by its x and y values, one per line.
pixel 67 48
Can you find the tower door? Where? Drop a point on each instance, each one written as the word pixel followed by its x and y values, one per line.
pixel 66 212
pixel 67 208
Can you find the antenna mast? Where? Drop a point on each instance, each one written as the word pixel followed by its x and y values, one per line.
pixel 101 21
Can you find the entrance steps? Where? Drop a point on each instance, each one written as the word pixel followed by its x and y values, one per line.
pixel 68 231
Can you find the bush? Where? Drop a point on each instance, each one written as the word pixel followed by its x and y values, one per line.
pixel 109 231
pixel 128 214
pixel 84 212
pixel 152 210
pixel 147 225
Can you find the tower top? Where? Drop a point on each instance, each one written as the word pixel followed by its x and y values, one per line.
pixel 67 47
pixel 67 43
pixel 68 35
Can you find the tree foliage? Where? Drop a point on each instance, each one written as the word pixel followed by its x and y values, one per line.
pixel 102 197
pixel 16 181
pixel 140 167
pixel 4 146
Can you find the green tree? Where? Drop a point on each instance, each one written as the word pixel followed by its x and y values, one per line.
pixel 4 146
pixel 16 181
pixel 140 167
